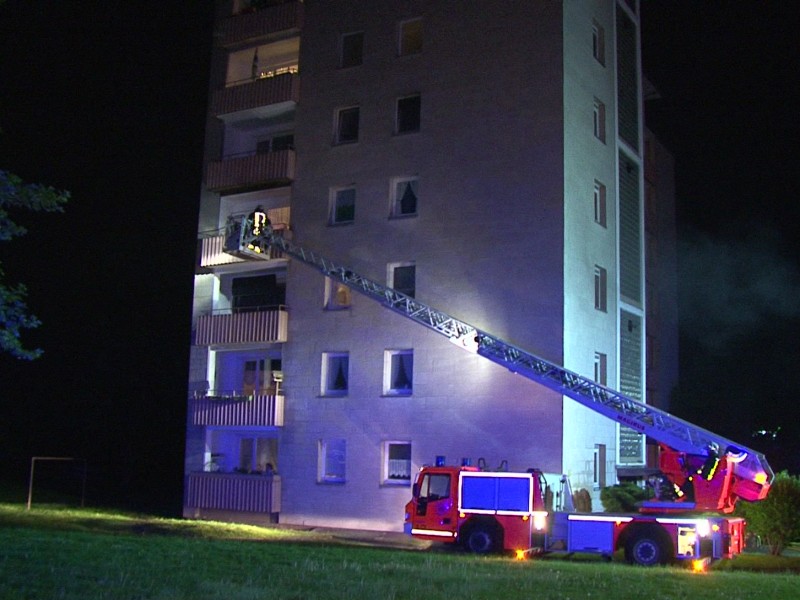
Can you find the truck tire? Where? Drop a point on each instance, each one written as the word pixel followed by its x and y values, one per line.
pixel 482 538
pixel 647 548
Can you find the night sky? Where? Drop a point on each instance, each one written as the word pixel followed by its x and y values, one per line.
pixel 107 100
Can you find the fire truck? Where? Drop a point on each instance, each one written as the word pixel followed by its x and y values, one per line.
pixel 702 474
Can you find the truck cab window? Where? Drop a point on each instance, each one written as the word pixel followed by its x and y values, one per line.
pixel 435 487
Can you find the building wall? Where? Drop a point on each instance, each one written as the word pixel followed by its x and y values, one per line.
pixel 487 244
pixel 588 160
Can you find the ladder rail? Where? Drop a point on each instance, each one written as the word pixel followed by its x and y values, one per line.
pixel 668 429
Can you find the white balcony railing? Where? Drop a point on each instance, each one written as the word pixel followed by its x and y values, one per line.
pixel 233 491
pixel 237 411
pixel 258 327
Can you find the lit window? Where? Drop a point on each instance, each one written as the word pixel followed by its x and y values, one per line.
pixel 404 197
pixel 337 295
pixel 335 373
pixel 599 120
pixel 352 50
pixel 601 368
pixel 331 460
pixel 343 206
pixel 600 288
pixel 398 372
pixel 410 37
pixel 599 203
pixel 346 125
pixel 402 277
pixel 599 43
pixel 408 114
pixel 397 463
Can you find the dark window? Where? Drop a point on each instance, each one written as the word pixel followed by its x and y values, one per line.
pixel 352 50
pixel 404 279
pixel 408 114
pixel 347 125
pixel 344 206
pixel 250 294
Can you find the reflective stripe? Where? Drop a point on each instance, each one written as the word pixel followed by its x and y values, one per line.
pixel 432 532
pixel 600 519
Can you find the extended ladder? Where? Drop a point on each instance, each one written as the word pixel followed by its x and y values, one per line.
pixel 672 431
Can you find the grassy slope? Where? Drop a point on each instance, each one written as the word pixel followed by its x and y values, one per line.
pixel 56 553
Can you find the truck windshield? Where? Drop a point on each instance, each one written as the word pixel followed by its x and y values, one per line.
pixel 435 486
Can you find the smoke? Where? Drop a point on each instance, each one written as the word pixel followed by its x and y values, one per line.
pixel 732 287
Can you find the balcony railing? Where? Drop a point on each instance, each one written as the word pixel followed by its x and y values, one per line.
pixel 212 253
pixel 285 16
pixel 263 410
pixel 227 491
pixel 269 169
pixel 256 93
pixel 261 326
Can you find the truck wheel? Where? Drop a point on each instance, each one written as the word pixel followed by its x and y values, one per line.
pixel 646 550
pixel 481 539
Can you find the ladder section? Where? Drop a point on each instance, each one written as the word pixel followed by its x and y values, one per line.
pixel 672 431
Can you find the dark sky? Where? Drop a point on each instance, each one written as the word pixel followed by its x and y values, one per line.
pixel 107 100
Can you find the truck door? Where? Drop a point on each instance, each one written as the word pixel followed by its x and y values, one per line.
pixel 435 514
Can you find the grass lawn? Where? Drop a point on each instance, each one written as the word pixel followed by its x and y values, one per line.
pixel 53 552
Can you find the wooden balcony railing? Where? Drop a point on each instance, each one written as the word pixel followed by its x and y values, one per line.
pixel 283 17
pixel 264 326
pixel 256 93
pixel 237 411
pixel 236 492
pixel 268 169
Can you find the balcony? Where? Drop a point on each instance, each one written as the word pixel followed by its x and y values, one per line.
pixel 236 492
pixel 261 96
pixel 230 410
pixel 284 16
pixel 270 169
pixel 257 327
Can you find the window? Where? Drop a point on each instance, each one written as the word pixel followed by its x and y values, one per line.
pixel 404 197
pixel 257 455
pixel 600 288
pixel 331 459
pixel 352 50
pixel 343 206
pixel 599 120
pixel 254 381
pixel 335 373
pixel 337 295
pixel 398 372
pixel 599 203
pixel 599 477
pixel 601 368
pixel 410 37
pixel 434 487
pixel 276 143
pixel 252 294
pixel 402 277
pixel 397 463
pixel 346 125
pixel 599 43
pixel 408 111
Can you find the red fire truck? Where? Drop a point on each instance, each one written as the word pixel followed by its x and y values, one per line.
pixel 702 472
pixel 501 511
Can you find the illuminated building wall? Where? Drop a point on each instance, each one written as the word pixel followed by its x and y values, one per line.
pixel 454 155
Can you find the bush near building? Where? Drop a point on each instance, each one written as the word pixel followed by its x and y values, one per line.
pixel 776 519
pixel 623 497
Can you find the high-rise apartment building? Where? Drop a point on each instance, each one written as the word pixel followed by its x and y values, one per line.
pixel 486 158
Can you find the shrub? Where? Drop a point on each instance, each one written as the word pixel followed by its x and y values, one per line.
pixel 623 497
pixel 776 519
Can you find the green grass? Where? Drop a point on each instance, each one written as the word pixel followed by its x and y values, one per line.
pixel 53 552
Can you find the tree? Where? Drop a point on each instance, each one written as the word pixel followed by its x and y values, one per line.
pixel 15 195
pixel 623 497
pixel 776 519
